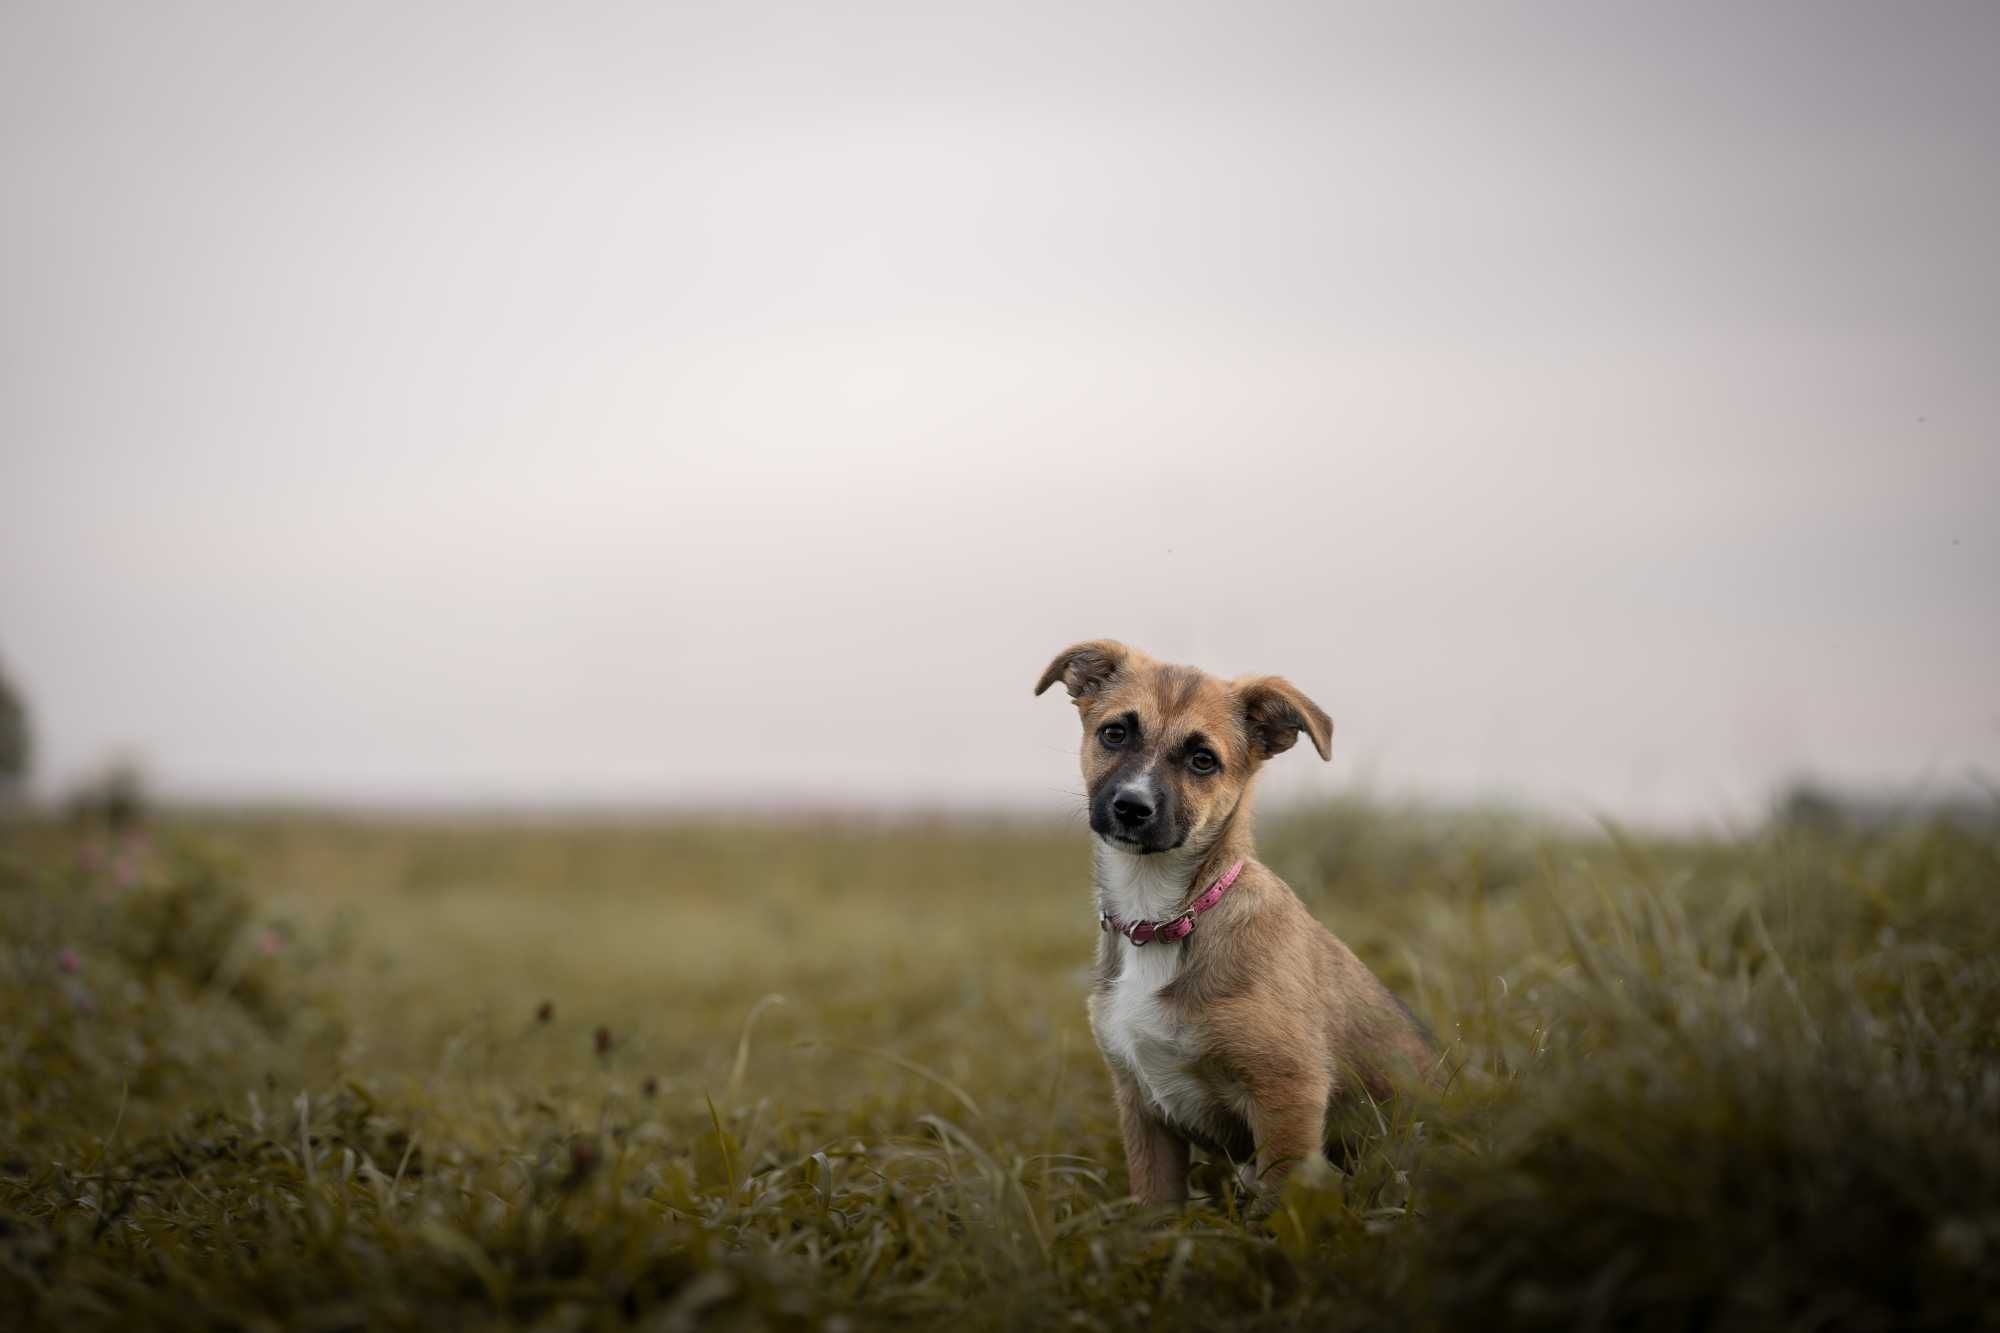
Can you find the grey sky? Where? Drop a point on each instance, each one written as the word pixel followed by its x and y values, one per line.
pixel 486 401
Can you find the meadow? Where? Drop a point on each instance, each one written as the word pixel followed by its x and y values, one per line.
pixel 297 1070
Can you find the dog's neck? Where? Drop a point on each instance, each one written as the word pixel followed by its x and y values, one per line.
pixel 1155 887
pixel 1143 888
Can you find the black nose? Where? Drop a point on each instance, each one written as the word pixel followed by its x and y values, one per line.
pixel 1132 809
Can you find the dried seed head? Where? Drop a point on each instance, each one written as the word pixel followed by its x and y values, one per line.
pixel 544 1011
pixel 583 1157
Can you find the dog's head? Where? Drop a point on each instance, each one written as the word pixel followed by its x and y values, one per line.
pixel 1168 751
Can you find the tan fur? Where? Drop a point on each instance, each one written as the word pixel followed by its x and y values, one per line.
pixel 1262 1017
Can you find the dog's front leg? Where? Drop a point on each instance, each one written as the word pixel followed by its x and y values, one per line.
pixel 1155 1157
pixel 1289 1125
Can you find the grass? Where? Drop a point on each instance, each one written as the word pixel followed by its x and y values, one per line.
pixel 326 1073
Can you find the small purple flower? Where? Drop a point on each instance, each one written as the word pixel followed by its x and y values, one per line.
pixel 67 960
pixel 269 941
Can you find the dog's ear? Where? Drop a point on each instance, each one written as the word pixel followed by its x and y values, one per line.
pixel 1277 712
pixel 1084 667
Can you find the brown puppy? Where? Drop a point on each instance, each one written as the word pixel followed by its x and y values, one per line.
pixel 1237 1035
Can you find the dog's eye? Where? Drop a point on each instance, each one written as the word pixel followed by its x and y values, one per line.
pixel 1201 761
pixel 1112 734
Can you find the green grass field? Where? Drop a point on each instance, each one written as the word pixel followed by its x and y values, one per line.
pixel 329 1073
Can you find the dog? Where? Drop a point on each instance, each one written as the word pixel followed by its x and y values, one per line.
pixel 1229 1018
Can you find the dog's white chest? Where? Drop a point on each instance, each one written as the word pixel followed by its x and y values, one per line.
pixel 1140 1032
pixel 1133 1025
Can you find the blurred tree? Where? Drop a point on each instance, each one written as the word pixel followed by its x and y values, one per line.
pixel 1809 805
pixel 15 751
pixel 118 799
pixel 114 804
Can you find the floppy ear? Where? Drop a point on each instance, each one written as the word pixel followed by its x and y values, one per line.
pixel 1084 667
pixel 1277 712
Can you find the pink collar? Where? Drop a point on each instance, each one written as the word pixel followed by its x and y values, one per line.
pixel 1145 932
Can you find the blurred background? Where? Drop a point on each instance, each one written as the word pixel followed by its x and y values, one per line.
pixel 463 465
pixel 736 406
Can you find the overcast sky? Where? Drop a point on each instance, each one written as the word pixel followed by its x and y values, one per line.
pixel 1594 407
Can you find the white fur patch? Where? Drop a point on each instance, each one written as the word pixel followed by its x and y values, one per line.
pixel 1142 888
pixel 1131 1023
